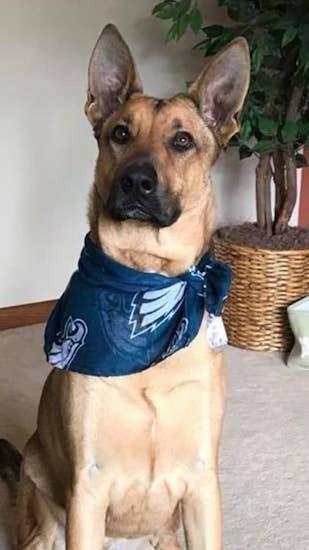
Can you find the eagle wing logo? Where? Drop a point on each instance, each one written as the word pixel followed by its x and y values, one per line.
pixel 152 308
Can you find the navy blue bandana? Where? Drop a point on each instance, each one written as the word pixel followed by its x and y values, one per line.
pixel 113 320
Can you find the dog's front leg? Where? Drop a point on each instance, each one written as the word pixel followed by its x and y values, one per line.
pixel 85 522
pixel 202 516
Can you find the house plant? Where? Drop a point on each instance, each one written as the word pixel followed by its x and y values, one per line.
pixel 270 259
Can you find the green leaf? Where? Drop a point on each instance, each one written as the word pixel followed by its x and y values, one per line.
pixel 300 161
pixel 201 45
pixel 304 33
pixel 210 46
pixel 245 152
pixel 216 44
pixel 182 25
pixel 305 71
pixel 183 6
pixel 242 10
pixel 213 30
pixel 268 126
pixel 158 7
pixel 172 33
pixel 283 22
pixel 266 146
pixel 289 131
pixel 196 20
pixel 268 44
pixel 268 83
pixel 303 130
pixel 304 53
pixel 165 10
pixel 246 130
pixel 272 62
pixel 266 17
pixel 257 58
pixel 288 36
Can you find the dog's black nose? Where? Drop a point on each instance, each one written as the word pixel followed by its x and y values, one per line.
pixel 138 195
pixel 139 180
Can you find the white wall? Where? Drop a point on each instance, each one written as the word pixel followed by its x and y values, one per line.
pixel 47 152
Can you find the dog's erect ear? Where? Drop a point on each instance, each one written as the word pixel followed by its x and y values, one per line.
pixel 220 89
pixel 112 76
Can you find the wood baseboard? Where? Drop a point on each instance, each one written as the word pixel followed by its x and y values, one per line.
pixel 26 314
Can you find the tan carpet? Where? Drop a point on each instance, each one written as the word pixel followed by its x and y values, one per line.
pixel 265 451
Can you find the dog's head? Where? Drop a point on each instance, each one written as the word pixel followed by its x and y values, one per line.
pixel 151 204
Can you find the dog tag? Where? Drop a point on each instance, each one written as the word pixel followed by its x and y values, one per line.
pixel 216 335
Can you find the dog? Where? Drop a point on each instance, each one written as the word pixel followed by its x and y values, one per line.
pixel 136 455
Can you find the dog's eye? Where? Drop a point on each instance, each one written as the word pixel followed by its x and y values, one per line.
pixel 182 141
pixel 120 134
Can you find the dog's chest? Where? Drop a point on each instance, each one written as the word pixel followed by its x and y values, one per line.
pixel 150 436
pixel 150 448
pixel 144 440
pixel 152 430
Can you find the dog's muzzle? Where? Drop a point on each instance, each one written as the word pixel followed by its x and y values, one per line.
pixel 137 195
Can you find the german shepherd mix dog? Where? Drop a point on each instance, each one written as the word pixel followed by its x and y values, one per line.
pixel 135 455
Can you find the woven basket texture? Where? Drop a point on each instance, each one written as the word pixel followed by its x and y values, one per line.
pixel 264 283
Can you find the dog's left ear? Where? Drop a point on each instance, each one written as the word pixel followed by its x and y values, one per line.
pixel 220 89
pixel 112 76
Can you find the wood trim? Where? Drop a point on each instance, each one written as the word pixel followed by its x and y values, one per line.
pixel 26 314
pixel 303 217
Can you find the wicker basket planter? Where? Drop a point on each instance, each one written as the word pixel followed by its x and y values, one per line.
pixel 265 282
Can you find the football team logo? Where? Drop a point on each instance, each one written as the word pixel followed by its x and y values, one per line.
pixel 152 308
pixel 67 343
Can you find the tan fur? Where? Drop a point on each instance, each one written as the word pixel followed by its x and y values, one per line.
pixel 169 250
pixel 130 456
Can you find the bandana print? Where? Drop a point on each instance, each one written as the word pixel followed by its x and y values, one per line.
pixel 113 320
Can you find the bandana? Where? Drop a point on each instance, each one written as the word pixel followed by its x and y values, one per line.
pixel 113 320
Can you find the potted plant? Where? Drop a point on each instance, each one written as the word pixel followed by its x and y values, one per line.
pixel 269 258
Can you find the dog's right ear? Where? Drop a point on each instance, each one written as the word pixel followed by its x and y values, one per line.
pixel 112 76
pixel 221 88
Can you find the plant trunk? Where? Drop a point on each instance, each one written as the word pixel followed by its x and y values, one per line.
pixel 263 195
pixel 279 180
pixel 268 213
pixel 290 166
pixel 291 193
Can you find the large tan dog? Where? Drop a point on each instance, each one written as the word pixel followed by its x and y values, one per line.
pixel 131 456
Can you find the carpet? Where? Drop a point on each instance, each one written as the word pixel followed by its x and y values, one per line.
pixel 264 460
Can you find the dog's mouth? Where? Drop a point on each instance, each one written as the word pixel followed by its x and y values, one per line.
pixel 131 212
pixel 138 212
